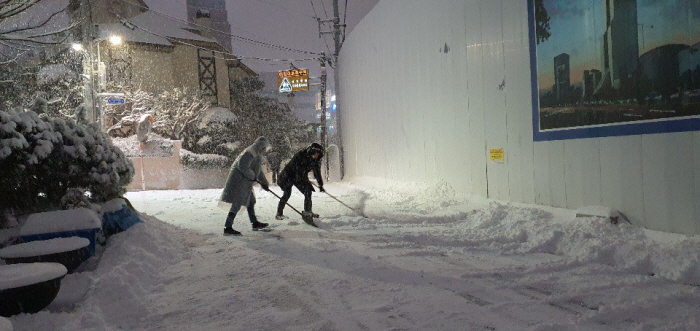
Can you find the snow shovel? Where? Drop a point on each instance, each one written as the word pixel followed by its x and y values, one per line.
pixel 343 203
pixel 308 219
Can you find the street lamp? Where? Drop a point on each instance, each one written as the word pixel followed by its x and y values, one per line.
pixel 115 40
pixel 77 47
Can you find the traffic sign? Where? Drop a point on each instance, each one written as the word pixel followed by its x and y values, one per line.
pixel 285 86
pixel 293 80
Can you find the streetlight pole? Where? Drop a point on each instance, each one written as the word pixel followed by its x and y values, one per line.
pixel 336 85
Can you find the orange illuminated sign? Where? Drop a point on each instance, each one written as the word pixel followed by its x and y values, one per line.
pixel 293 80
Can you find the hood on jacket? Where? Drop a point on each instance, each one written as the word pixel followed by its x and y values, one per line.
pixel 261 145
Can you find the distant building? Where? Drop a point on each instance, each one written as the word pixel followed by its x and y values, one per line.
pixel 689 66
pixel 620 41
pixel 159 54
pixel 662 68
pixel 562 77
pixel 216 11
pixel 591 79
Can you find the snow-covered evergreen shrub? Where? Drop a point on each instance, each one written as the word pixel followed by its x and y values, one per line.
pixel 203 161
pixel 75 198
pixel 41 160
pixel 25 142
pixel 88 159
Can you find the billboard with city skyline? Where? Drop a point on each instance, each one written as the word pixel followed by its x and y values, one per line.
pixel 614 67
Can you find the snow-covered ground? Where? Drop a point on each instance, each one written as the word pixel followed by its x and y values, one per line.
pixel 422 260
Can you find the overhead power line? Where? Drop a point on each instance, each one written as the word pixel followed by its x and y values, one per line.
pixel 241 38
pixel 237 56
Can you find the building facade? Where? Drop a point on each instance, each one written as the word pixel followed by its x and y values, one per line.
pixel 216 11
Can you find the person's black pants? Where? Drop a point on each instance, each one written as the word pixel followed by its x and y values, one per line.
pixel 304 188
pixel 233 211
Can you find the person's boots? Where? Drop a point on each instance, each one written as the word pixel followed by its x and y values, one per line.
pixel 281 217
pixel 258 225
pixel 309 213
pixel 231 232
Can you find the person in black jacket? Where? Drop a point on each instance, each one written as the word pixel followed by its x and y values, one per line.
pixel 296 173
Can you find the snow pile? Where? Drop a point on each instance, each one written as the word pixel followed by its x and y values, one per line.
pixel 5 324
pixel 425 259
pixel 156 146
pixel 113 294
pixel 518 229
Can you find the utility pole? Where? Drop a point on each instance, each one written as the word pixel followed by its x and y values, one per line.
pixel 337 35
pixel 324 141
pixel 336 84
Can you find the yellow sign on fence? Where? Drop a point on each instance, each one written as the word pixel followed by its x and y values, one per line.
pixel 497 155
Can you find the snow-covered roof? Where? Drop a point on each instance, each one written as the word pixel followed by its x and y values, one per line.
pixel 24 274
pixel 155 23
pixel 135 35
pixel 150 28
pixel 44 247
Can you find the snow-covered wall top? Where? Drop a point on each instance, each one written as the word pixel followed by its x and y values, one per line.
pixel 429 89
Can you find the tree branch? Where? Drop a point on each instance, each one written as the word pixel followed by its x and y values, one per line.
pixel 14 9
pixel 35 26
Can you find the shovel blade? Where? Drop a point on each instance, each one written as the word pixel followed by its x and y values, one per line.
pixel 308 219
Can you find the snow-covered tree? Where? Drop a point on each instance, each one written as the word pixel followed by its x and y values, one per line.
pixel 175 112
pixel 264 116
pixel 214 134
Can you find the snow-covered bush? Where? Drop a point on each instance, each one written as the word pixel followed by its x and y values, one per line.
pixel 203 161
pixel 214 134
pixel 75 198
pixel 41 160
pixel 86 158
pixel 25 142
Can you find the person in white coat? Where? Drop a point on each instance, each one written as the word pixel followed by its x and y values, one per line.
pixel 238 191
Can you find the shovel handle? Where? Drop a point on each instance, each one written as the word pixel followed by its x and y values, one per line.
pixel 343 203
pixel 287 203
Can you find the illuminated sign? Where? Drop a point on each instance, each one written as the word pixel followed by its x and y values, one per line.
pixel 293 80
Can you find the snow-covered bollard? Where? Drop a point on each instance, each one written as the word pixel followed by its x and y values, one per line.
pixel 117 217
pixel 29 287
pixel 80 222
pixel 71 252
